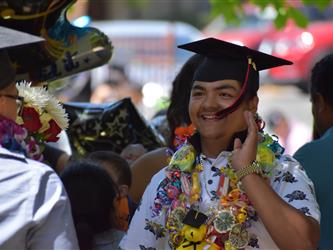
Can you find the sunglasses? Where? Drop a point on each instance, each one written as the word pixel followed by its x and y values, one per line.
pixel 19 102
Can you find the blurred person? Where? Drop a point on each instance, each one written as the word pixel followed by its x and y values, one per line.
pixel 115 87
pixel 55 158
pixel 58 153
pixel 226 184
pixel 132 152
pixel 92 194
pixel 177 115
pixel 76 88
pixel 35 210
pixel 292 134
pixel 316 156
pixel 120 172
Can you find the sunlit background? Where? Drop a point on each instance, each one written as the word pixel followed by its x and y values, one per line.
pixel 145 60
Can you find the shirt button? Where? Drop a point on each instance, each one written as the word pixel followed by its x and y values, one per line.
pixel 213 168
pixel 210 182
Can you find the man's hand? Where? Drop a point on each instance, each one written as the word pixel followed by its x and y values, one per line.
pixel 244 154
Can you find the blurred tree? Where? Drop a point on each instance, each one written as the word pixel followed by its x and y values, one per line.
pixel 196 12
pixel 285 9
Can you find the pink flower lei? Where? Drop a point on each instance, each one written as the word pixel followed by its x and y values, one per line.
pixel 15 138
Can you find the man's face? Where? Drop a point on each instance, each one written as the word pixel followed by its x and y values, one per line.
pixel 8 107
pixel 207 98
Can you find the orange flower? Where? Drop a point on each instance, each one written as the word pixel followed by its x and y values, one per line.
pixel 185 131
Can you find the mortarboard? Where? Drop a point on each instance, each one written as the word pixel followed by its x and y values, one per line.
pixel 224 60
pixel 194 218
pixel 10 38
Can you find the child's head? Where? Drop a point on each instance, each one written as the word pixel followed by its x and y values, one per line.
pixel 92 194
pixel 116 166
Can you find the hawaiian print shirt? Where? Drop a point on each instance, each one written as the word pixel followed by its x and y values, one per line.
pixel 288 179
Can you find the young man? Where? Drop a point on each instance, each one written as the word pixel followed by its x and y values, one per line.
pixel 316 156
pixel 221 174
pixel 35 211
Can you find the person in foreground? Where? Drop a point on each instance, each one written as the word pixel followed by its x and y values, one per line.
pixel 35 211
pixel 316 156
pixel 228 186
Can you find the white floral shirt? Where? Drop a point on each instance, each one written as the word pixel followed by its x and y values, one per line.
pixel 288 179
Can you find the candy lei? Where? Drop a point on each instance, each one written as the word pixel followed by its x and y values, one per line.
pixel 230 212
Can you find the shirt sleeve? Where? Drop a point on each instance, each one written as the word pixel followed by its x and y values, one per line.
pixel 293 185
pixel 53 226
pixel 146 231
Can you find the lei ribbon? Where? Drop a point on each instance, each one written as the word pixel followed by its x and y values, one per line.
pixel 181 190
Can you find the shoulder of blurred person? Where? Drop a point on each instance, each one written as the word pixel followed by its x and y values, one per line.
pixel 316 156
pixel 145 167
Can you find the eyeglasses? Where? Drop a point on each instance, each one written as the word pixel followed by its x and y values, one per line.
pixel 19 102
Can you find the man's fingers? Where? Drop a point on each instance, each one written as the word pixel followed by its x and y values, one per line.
pixel 237 143
pixel 252 129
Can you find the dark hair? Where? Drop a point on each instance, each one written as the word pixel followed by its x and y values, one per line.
pixel 91 192
pixel 115 163
pixel 322 79
pixel 177 113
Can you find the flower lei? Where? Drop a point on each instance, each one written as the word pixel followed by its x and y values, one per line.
pixel 182 133
pixel 230 214
pixel 14 138
pixel 43 116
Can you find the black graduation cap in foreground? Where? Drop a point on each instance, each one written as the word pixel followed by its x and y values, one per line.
pixel 224 60
pixel 194 218
pixel 10 38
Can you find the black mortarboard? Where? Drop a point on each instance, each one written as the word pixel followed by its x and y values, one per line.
pixel 224 60
pixel 194 218
pixel 8 39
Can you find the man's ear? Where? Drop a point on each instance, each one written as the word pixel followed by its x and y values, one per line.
pixel 253 104
pixel 319 102
pixel 123 190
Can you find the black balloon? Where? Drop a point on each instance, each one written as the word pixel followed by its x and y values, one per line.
pixel 107 127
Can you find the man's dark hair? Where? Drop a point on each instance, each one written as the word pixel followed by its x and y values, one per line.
pixel 177 113
pixel 113 160
pixel 322 79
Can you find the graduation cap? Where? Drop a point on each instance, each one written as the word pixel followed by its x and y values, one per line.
pixel 10 38
pixel 194 218
pixel 224 60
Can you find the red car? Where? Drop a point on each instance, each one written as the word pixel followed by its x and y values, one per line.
pixel 304 47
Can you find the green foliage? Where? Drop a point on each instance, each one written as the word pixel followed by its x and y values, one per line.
pixel 137 3
pixel 232 10
pixel 300 19
pixel 321 4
